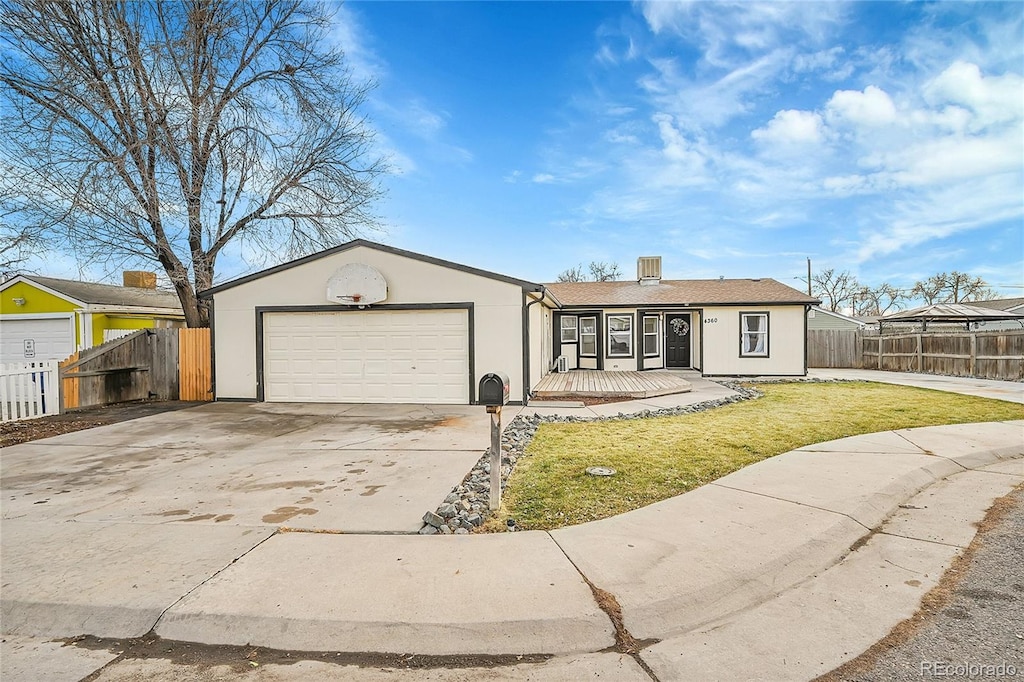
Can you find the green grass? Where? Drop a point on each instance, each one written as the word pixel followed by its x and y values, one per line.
pixel 665 456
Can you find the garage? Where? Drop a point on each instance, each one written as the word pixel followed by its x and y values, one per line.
pixel 367 323
pixel 36 340
pixel 366 356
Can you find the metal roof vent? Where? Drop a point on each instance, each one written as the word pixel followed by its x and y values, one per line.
pixel 648 269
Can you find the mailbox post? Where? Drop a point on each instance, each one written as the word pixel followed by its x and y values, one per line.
pixel 493 393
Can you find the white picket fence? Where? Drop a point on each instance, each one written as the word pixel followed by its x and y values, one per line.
pixel 29 390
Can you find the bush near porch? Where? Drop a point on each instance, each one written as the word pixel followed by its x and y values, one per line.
pixel 662 457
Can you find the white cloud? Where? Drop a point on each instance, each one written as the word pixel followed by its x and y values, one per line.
pixel 728 33
pixel 348 34
pixel 943 211
pixel 791 127
pixel 992 99
pixel 870 107
pixel 543 178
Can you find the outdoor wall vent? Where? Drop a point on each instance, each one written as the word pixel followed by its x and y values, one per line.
pixel 648 269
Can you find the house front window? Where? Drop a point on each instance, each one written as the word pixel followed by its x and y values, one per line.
pixel 753 334
pixel 569 328
pixel 620 336
pixel 588 336
pixel 650 336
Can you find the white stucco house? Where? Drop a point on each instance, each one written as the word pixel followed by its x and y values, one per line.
pixel 364 322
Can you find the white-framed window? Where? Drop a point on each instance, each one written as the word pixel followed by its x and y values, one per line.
pixel 650 336
pixel 753 334
pixel 620 336
pixel 588 337
pixel 569 329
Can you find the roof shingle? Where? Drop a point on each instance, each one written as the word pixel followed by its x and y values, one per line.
pixel 109 294
pixel 684 292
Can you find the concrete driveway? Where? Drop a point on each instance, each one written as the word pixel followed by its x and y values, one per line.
pixel 343 468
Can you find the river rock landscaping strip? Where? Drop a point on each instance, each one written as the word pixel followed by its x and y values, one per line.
pixel 466 506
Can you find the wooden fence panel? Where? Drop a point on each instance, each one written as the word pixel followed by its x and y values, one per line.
pixel 115 372
pixel 69 383
pixel 195 367
pixel 163 363
pixel 990 355
pixel 833 348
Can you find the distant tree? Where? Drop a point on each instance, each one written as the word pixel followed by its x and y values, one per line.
pixel 163 131
pixel 878 301
pixel 835 288
pixel 599 272
pixel 604 272
pixel 952 287
pixel 573 274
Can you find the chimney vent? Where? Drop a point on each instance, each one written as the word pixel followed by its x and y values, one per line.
pixel 648 269
pixel 140 279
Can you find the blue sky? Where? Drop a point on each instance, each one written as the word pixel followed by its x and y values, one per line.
pixel 731 139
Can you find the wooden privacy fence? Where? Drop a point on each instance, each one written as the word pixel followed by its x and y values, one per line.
pixel 989 355
pixel 833 348
pixel 28 390
pixel 159 364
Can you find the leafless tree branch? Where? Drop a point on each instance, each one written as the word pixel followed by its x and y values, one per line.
pixel 165 131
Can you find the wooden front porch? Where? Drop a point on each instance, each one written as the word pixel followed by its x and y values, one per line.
pixel 590 383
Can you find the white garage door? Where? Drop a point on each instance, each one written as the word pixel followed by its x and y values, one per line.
pixel 406 356
pixel 36 340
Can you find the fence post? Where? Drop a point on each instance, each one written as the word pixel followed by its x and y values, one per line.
pixel 881 343
pixel 920 358
pixel 974 354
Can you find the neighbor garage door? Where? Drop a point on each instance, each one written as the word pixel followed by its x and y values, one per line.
pixel 399 356
pixel 36 340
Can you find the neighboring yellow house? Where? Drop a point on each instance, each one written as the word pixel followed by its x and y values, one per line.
pixel 44 318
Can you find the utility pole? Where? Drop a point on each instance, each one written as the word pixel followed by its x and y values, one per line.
pixel 809 276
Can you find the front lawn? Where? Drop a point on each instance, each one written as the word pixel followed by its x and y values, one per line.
pixel 661 457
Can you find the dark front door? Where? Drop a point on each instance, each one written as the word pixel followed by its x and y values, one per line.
pixel 677 340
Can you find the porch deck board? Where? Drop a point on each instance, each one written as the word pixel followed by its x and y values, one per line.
pixel 589 383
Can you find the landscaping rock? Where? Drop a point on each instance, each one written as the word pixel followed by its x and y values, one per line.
pixel 432 519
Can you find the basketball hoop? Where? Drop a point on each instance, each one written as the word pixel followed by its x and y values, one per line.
pixel 357 284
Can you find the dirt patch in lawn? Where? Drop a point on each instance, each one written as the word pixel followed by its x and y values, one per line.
pixel 13 433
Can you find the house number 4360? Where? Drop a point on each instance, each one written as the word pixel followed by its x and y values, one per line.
pixel 710 320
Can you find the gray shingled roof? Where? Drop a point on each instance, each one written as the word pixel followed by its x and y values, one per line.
pixel 1000 303
pixel 109 294
pixel 687 292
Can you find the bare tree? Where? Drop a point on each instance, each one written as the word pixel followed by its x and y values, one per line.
pixel 835 288
pixel 878 300
pixel 162 132
pixel 16 244
pixel 573 274
pixel 604 272
pixel 952 287
pixel 599 272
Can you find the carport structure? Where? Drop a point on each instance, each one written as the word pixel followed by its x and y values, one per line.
pixel 949 312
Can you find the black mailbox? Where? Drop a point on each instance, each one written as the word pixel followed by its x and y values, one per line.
pixel 493 389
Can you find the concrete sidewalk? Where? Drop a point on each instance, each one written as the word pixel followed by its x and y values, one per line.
pixel 748 551
pixel 1012 391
